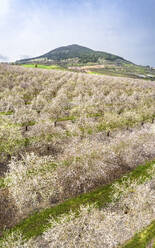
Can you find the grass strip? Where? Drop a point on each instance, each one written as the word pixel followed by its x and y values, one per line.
pixel 142 239
pixel 54 67
pixel 37 223
pixel 6 113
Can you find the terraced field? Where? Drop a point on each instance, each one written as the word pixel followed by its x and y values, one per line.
pixel 77 160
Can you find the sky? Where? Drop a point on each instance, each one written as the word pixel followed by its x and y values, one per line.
pixel 30 28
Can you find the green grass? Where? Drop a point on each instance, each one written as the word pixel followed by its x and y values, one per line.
pixel 121 122
pixel 6 113
pixel 95 73
pixel 29 123
pixel 142 239
pixel 4 182
pixel 54 67
pixel 41 171
pixel 37 223
pixel 117 122
pixel 67 118
pixel 11 146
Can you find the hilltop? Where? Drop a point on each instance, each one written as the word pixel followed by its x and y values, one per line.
pixel 79 54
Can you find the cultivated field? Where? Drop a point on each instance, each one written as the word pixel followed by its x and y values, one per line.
pixel 77 159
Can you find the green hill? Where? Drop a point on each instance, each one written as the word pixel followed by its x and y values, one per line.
pixel 79 53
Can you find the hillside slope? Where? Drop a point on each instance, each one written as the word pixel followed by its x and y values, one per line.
pixel 67 140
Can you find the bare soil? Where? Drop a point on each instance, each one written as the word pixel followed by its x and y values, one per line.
pixel 8 211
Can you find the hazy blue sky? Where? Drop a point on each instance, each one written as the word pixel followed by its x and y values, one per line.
pixel 122 27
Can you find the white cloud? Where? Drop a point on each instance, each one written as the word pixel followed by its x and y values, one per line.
pixel 4 8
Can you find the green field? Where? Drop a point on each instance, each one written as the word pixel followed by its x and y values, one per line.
pixel 54 67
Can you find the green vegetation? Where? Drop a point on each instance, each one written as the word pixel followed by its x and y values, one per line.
pixel 53 67
pixel 74 54
pixel 6 113
pixel 122 123
pixel 142 239
pixel 67 118
pixel 125 70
